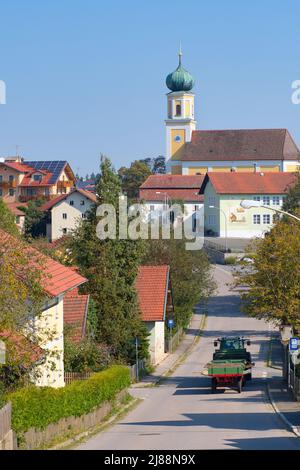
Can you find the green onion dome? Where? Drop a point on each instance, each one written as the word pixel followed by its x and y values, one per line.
pixel 180 79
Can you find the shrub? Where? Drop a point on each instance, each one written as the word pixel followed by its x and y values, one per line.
pixel 38 407
pixel 230 260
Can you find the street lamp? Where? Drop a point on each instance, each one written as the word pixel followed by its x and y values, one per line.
pixel 221 210
pixel 248 204
pixel 167 199
pixel 166 202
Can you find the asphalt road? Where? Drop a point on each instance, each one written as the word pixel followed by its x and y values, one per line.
pixel 182 413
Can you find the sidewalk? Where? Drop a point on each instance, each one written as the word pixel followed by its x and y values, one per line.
pixel 281 398
pixel 171 359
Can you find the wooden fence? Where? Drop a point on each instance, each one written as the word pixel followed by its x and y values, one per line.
pixel 71 376
pixel 6 433
pixel 133 371
pixel 173 342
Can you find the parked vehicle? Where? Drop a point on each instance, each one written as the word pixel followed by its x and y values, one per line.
pixel 231 365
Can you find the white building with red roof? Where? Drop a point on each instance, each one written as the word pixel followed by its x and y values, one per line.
pixel 159 191
pixel 224 192
pixel 154 292
pixel 66 211
pixel 57 282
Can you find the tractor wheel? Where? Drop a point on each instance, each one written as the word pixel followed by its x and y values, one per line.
pixel 213 385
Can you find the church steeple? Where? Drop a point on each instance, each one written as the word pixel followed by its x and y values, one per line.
pixel 181 121
pixel 180 79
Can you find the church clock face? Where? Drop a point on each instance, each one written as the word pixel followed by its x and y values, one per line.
pixel 177 138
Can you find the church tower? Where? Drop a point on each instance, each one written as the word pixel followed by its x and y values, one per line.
pixel 181 120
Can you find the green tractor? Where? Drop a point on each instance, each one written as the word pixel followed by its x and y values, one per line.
pixel 232 364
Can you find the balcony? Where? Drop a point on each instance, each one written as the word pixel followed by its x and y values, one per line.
pixel 64 184
pixel 8 184
pixel 34 197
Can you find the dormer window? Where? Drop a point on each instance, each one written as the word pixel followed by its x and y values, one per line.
pixel 37 177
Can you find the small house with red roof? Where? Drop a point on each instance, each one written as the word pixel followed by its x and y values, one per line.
pixel 154 290
pixel 57 282
pixel 224 192
pixel 160 191
pixel 65 212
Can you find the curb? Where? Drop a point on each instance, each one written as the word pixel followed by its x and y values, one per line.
pixel 177 361
pixel 291 427
pixel 183 354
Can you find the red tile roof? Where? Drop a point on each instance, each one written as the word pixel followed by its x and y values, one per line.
pixel 75 312
pixel 241 144
pixel 14 207
pixel 56 279
pixel 183 187
pixel 24 349
pixel 152 289
pixel 45 181
pixel 173 182
pixel 250 183
pixel 20 167
pixel 187 195
pixel 88 194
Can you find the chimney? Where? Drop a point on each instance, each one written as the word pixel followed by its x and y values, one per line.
pixel 16 159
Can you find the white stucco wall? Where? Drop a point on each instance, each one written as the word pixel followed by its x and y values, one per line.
pixel 239 221
pixel 51 322
pixel 235 164
pixel 74 215
pixel 156 341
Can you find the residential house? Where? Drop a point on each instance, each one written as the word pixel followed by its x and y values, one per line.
pixel 65 211
pixel 223 193
pixel 23 181
pixel 159 191
pixel 57 281
pixel 19 214
pixel 154 291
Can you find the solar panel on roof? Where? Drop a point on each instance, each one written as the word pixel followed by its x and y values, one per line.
pixel 54 166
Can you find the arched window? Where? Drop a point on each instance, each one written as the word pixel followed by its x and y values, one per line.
pixel 178 109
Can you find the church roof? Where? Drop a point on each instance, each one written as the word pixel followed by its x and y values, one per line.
pixel 241 144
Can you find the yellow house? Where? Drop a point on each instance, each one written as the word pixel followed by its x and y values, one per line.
pixel 56 280
pixel 23 181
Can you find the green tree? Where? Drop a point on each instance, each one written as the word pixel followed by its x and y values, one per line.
pixel 190 274
pixel 159 165
pixel 133 177
pixel 273 283
pixel 35 219
pixel 111 267
pixel 292 201
pixel 7 220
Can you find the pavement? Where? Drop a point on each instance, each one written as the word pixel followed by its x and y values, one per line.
pixel 281 397
pixel 171 360
pixel 180 412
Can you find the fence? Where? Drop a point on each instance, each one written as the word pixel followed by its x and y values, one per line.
pixel 133 371
pixel 71 376
pixel 173 342
pixel 6 434
pixel 294 382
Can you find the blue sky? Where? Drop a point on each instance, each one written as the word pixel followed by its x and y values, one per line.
pixel 88 76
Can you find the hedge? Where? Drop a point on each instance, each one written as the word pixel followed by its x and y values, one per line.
pixel 38 407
